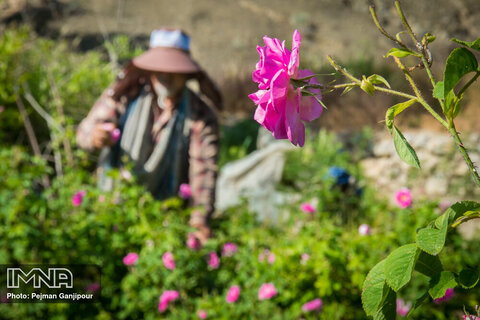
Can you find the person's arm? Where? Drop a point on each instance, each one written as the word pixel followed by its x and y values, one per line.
pixel 204 146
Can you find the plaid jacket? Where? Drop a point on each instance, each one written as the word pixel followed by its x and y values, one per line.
pixel 203 148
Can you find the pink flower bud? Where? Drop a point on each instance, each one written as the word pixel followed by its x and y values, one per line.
pixel 313 305
pixel 307 208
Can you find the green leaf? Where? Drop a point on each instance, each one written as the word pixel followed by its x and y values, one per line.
pixel 460 62
pixel 431 240
pixel 394 111
pixel 439 285
pixel 400 53
pixel 372 292
pixel 367 86
pixel 429 38
pixel 404 149
pixel 468 278
pixel 456 211
pixel 428 265
pixel 376 79
pixel 388 306
pixel 438 91
pixel 418 303
pixel 399 266
pixel 475 45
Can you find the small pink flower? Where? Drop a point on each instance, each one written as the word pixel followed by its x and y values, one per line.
pixel 305 258
pixel 447 296
pixel 465 317
pixel 229 249
pixel 404 198
pixel 271 258
pixel 213 260
pixel 202 314
pixel 167 297
pixel 93 287
pixel 126 174
pixel 267 291
pixel 168 261
pixel 130 259
pixel 403 308
pixel 101 198
pixel 364 230
pixel 233 294
pixel 116 133
pixel 193 242
pixel 185 191
pixel 77 198
pixel 313 305
pixel 261 256
pixel 307 208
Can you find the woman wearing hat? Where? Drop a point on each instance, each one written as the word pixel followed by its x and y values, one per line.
pixel 166 130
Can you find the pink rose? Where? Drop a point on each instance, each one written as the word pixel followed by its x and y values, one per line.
pixel 213 260
pixel 130 259
pixel 364 230
pixel 281 108
pixel 167 297
pixel 101 198
pixel 307 208
pixel 202 314
pixel 168 261
pixel 447 296
pixel 229 249
pixel 404 198
pixel 267 291
pixel 313 305
pixel 126 174
pixel 233 294
pixel 193 242
pixel 271 258
pixel 403 308
pixel 185 191
pixel 77 198
pixel 305 258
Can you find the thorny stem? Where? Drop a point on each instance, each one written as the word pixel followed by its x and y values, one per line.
pixel 385 33
pixel 405 22
pixel 463 151
pixel 418 94
pixel 357 82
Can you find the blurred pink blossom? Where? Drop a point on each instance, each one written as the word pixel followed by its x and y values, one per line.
pixel 167 297
pixel 77 198
pixel 305 258
pixel 93 287
pixel 267 291
pixel 313 305
pixel 403 308
pixel 307 208
pixel 213 260
pixel 447 296
pixel 202 314
pixel 233 294
pixel 281 108
pixel 185 191
pixel 116 133
pixel 192 242
pixel 364 229
pixel 404 198
pixel 130 259
pixel 271 258
pixel 126 174
pixel 101 198
pixel 229 249
pixel 465 317
pixel 168 261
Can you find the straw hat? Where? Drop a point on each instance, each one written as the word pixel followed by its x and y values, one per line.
pixel 169 52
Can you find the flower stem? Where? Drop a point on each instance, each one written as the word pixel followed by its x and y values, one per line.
pixel 463 151
pixel 405 22
pixel 468 84
pixel 377 23
pixel 420 99
pixel 342 70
